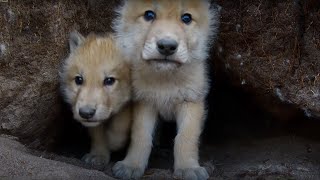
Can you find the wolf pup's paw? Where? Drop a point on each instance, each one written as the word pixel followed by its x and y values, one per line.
pixel 198 173
pixel 96 160
pixel 123 171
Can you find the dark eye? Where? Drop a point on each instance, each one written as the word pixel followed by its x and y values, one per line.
pixel 109 81
pixel 149 15
pixel 186 18
pixel 78 80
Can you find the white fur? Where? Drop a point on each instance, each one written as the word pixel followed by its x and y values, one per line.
pixel 175 90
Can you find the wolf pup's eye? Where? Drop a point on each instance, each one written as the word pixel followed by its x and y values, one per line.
pixel 149 15
pixel 109 81
pixel 78 80
pixel 186 18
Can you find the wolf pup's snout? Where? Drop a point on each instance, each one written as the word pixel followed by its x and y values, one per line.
pixel 87 112
pixel 167 47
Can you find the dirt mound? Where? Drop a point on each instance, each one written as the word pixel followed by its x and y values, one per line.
pixel 271 48
pixel 18 162
pixel 33 41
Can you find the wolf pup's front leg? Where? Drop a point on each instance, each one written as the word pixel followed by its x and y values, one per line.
pixel 108 139
pixel 190 117
pixel 99 153
pixel 136 161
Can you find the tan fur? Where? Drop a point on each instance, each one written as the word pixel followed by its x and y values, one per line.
pixel 173 86
pixel 94 59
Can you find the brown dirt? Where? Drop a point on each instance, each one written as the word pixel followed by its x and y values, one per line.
pixel 271 48
pixel 288 157
pixel 34 36
pixel 17 162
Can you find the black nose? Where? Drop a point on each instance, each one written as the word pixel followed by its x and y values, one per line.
pixel 167 47
pixel 86 112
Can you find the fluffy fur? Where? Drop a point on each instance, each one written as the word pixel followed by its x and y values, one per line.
pixel 94 59
pixel 172 86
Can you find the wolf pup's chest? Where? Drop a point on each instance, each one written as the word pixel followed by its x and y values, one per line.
pixel 168 94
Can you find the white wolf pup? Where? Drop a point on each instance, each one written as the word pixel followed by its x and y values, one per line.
pixel 167 43
pixel 95 81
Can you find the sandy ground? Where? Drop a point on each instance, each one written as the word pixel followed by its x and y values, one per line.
pixel 283 157
pixel 18 162
pixel 271 158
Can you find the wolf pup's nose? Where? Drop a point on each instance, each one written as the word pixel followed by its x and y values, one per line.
pixel 86 112
pixel 167 47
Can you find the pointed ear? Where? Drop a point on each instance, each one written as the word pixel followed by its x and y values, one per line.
pixel 75 40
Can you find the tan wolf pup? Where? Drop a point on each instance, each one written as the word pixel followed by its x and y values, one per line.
pixel 167 43
pixel 95 81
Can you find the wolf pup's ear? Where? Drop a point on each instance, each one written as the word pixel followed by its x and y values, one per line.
pixel 75 39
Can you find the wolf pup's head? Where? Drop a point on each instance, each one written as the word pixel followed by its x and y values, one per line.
pixel 95 80
pixel 164 33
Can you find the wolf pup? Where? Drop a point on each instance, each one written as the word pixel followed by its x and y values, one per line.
pixel 95 81
pixel 167 43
